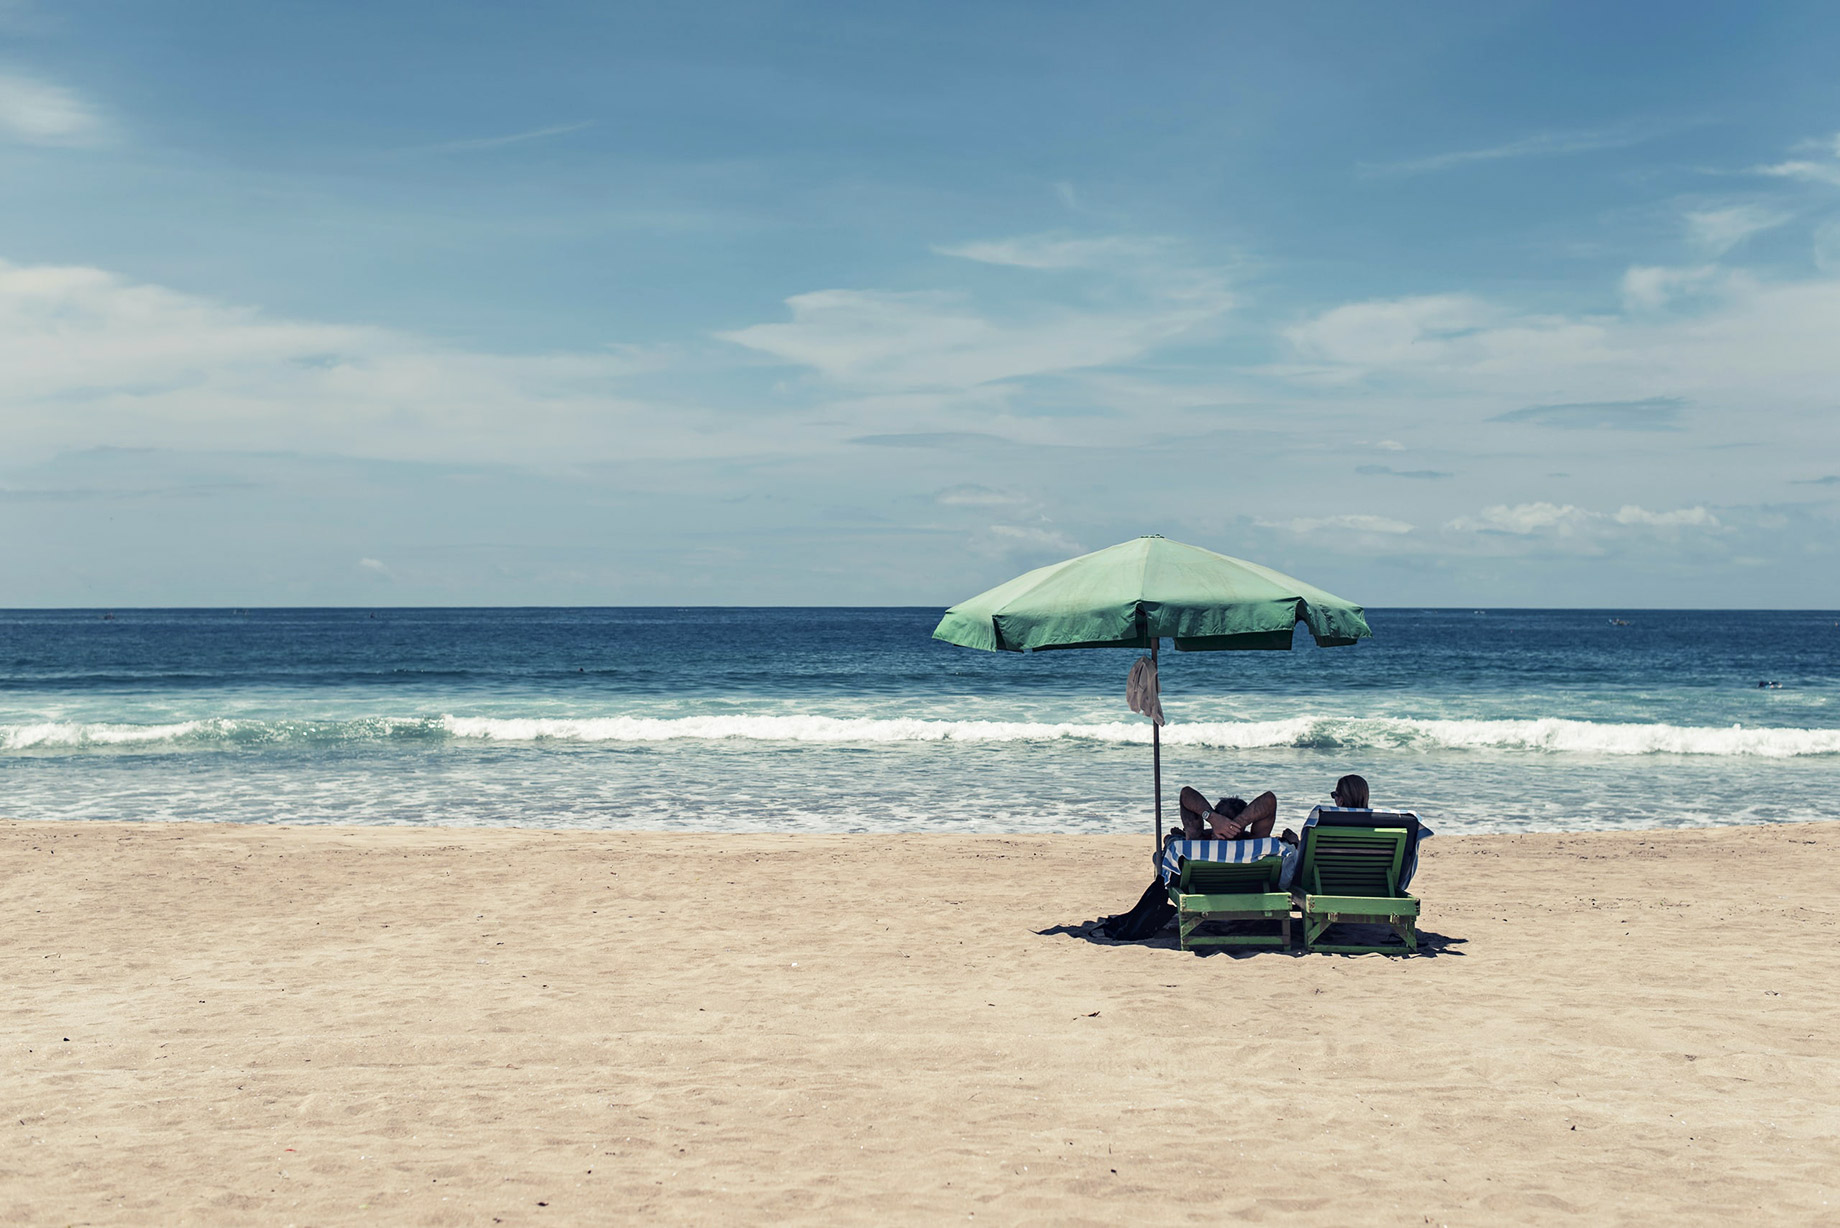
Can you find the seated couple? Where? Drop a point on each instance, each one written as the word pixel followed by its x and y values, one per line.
pixel 1232 818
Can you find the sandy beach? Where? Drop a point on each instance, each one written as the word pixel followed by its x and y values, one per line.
pixel 226 1023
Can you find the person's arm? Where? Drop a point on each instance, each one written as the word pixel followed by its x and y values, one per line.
pixel 1259 817
pixel 1256 819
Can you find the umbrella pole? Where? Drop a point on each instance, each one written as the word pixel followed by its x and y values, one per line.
pixel 1156 761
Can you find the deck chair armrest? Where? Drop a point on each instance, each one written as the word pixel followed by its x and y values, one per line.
pixel 1230 903
pixel 1362 905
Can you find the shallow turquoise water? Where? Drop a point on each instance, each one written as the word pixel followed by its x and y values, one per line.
pixel 833 720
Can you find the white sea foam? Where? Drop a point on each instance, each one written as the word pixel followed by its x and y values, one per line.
pixel 1547 736
pixel 1377 733
pixel 66 734
pixel 220 731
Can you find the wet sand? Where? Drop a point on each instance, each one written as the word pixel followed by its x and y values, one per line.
pixel 219 1024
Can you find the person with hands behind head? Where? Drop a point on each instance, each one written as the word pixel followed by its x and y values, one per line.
pixel 1230 818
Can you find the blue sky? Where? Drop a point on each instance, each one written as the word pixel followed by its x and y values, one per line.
pixel 552 304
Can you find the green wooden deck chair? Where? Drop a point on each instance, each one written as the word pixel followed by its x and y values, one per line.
pixel 1229 891
pixel 1352 874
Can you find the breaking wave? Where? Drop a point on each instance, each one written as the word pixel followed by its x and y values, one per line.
pixel 221 732
pixel 1547 736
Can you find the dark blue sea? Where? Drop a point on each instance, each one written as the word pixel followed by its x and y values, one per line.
pixel 857 720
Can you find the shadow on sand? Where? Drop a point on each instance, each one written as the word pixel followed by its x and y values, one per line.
pixel 1430 945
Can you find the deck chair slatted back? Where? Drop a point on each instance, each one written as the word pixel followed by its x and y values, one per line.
pixel 1355 861
pixel 1234 892
pixel 1229 878
pixel 1352 874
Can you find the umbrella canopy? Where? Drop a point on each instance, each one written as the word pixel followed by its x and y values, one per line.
pixel 1133 594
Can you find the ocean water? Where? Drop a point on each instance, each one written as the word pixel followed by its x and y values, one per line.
pixel 857 720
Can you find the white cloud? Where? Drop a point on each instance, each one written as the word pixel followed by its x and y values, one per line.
pixel 1013 538
pixel 1524 518
pixel 893 341
pixel 1431 332
pixel 93 359
pixel 1339 524
pixel 969 494
pixel 1651 289
pixel 1812 172
pixel 374 565
pixel 495 142
pixel 1133 295
pixel 1719 338
pixel 1696 517
pixel 888 338
pixel 39 113
pixel 1052 252
pixel 1734 344
pixel 1647 414
pixel 1539 145
pixel 1389 332
pixel 1719 230
pixel 1823 169
pixel 1827 246
pixel 1567 520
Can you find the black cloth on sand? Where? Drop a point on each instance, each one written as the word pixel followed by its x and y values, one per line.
pixel 1146 920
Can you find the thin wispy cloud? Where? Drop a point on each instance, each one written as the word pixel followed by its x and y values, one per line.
pixel 1822 169
pixel 970 494
pixel 948 440
pixel 1647 288
pixel 1827 246
pixel 1390 472
pixel 1047 252
pixel 1539 145
pixel 906 341
pixel 1719 230
pixel 499 142
pixel 36 112
pixel 1812 172
pixel 1352 523
pixel 1648 414
pixel 1036 537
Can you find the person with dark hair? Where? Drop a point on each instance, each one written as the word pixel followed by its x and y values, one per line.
pixel 1350 793
pixel 1230 818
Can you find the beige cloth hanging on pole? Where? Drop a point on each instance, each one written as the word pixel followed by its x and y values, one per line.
pixel 1142 693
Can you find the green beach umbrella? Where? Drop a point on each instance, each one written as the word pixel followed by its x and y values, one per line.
pixel 1135 594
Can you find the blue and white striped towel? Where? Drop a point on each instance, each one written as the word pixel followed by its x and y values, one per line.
pixel 1236 851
